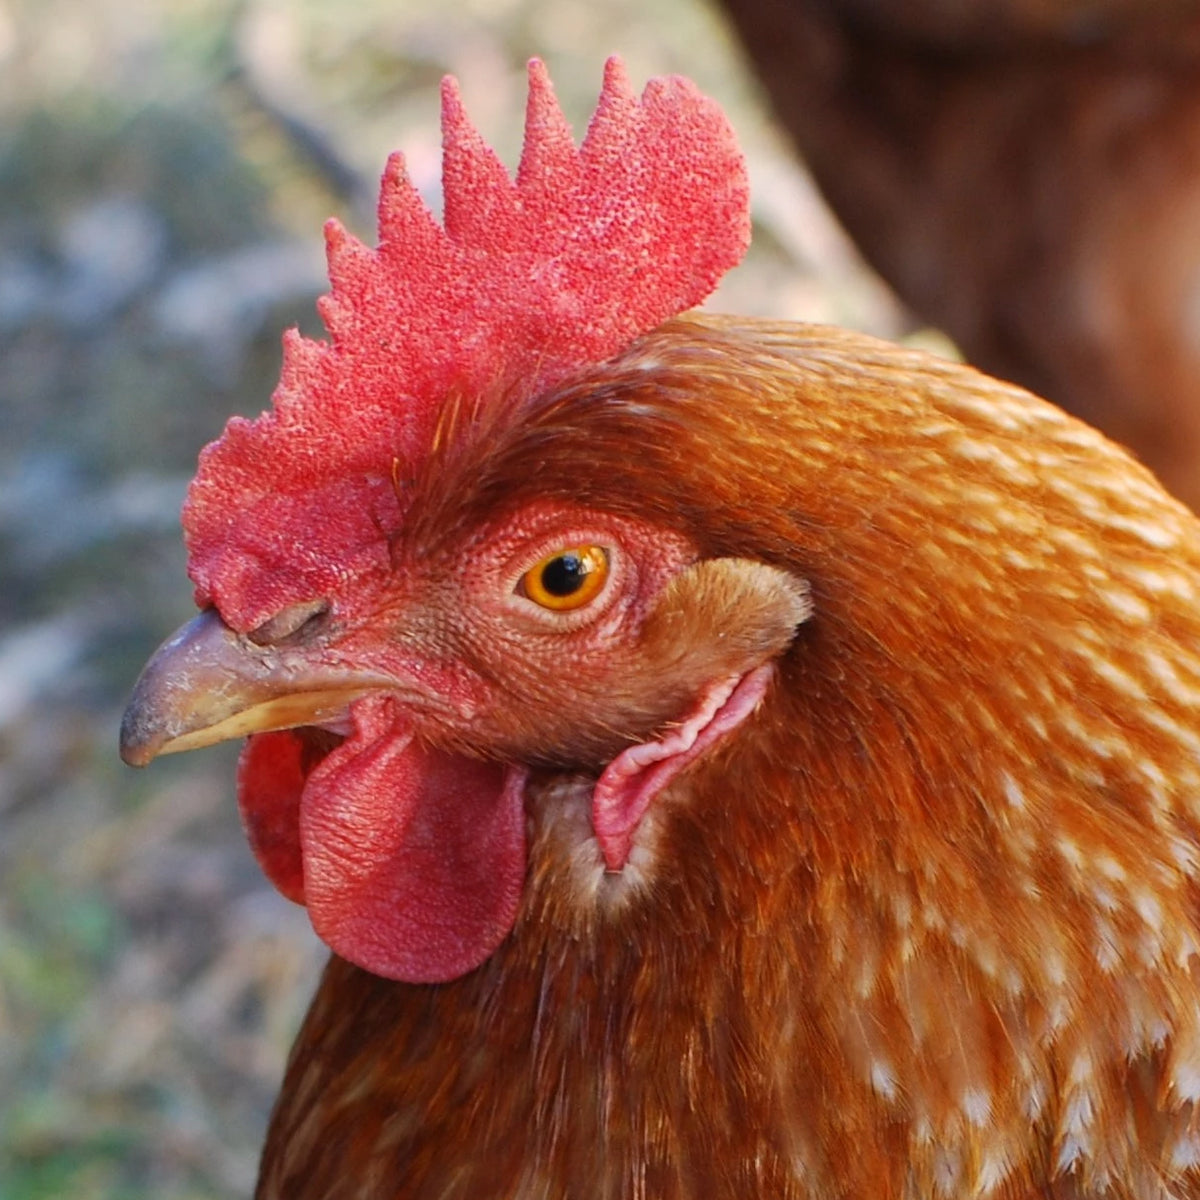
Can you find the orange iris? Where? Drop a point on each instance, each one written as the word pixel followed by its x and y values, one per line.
pixel 567 579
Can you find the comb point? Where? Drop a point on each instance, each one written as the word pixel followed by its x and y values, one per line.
pixel 616 78
pixel 479 200
pixel 549 160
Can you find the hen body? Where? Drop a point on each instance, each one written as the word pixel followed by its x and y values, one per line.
pixel 926 924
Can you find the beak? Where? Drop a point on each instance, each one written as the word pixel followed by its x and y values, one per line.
pixel 206 684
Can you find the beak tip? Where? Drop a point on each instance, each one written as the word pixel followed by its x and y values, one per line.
pixel 137 749
pixel 153 715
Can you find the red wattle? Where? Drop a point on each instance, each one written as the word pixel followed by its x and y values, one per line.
pixel 270 778
pixel 410 861
pixel 413 859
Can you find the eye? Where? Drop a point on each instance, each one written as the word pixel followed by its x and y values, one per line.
pixel 567 579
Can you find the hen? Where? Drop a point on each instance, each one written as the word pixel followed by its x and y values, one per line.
pixel 726 758
pixel 1025 174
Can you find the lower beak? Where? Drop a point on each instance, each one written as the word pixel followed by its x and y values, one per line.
pixel 207 684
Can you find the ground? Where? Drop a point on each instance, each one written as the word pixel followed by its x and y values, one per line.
pixel 164 172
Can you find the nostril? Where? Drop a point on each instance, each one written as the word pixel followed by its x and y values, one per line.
pixel 291 624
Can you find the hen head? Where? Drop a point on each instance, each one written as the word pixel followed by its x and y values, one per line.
pixel 413 594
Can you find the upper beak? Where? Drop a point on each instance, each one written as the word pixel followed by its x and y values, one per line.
pixel 207 684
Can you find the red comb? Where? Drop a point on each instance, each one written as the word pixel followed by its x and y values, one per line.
pixel 528 282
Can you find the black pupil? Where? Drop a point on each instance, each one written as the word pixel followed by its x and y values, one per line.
pixel 564 575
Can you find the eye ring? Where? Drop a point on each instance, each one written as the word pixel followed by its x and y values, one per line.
pixel 566 580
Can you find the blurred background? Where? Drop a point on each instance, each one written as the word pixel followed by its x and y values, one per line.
pixel 165 168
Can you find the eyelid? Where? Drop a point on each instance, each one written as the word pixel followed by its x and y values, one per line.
pixel 531 550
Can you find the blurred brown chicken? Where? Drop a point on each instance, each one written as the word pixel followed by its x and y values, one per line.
pixel 727 759
pixel 1026 175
